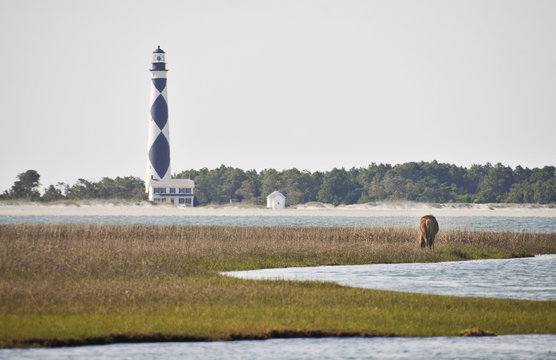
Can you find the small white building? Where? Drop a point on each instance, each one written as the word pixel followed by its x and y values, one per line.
pixel 276 201
pixel 171 191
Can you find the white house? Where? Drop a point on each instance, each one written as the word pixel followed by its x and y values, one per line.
pixel 276 201
pixel 171 191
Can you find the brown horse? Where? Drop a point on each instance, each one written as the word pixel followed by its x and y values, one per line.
pixel 429 229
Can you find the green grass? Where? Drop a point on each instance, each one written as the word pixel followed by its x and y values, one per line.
pixel 70 285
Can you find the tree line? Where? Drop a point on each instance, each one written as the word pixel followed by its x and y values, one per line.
pixel 26 187
pixel 414 181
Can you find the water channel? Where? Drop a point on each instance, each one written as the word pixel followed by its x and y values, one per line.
pixel 474 223
pixel 493 348
pixel 532 278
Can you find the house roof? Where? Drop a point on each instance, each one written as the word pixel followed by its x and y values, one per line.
pixel 275 194
pixel 172 183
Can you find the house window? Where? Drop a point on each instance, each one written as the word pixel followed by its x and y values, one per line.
pixel 188 201
pixel 172 190
pixel 188 190
pixel 159 190
pixel 181 190
pixel 182 201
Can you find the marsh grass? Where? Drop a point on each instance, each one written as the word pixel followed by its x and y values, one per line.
pixel 78 284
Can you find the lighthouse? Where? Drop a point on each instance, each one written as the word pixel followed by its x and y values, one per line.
pixel 159 183
pixel 159 135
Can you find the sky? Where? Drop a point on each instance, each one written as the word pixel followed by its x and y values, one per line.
pixel 310 84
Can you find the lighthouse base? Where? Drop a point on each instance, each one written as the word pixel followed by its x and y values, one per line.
pixel 172 191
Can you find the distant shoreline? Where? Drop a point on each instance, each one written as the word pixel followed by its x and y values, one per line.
pixel 144 208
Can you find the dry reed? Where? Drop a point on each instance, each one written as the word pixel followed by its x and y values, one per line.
pixel 96 261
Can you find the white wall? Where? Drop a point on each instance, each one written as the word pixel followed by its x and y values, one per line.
pixel 276 202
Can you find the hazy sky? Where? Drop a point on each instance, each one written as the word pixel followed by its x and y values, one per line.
pixel 310 84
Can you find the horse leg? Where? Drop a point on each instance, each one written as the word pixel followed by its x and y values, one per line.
pixel 430 239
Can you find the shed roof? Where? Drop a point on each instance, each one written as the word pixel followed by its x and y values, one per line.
pixel 275 194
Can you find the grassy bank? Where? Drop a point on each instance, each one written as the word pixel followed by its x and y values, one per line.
pixel 63 285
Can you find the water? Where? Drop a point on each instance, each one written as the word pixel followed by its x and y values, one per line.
pixel 499 347
pixel 531 278
pixel 478 223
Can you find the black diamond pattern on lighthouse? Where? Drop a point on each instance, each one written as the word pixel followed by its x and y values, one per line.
pixel 159 155
pixel 159 111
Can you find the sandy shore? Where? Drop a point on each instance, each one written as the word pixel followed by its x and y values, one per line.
pixel 92 208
